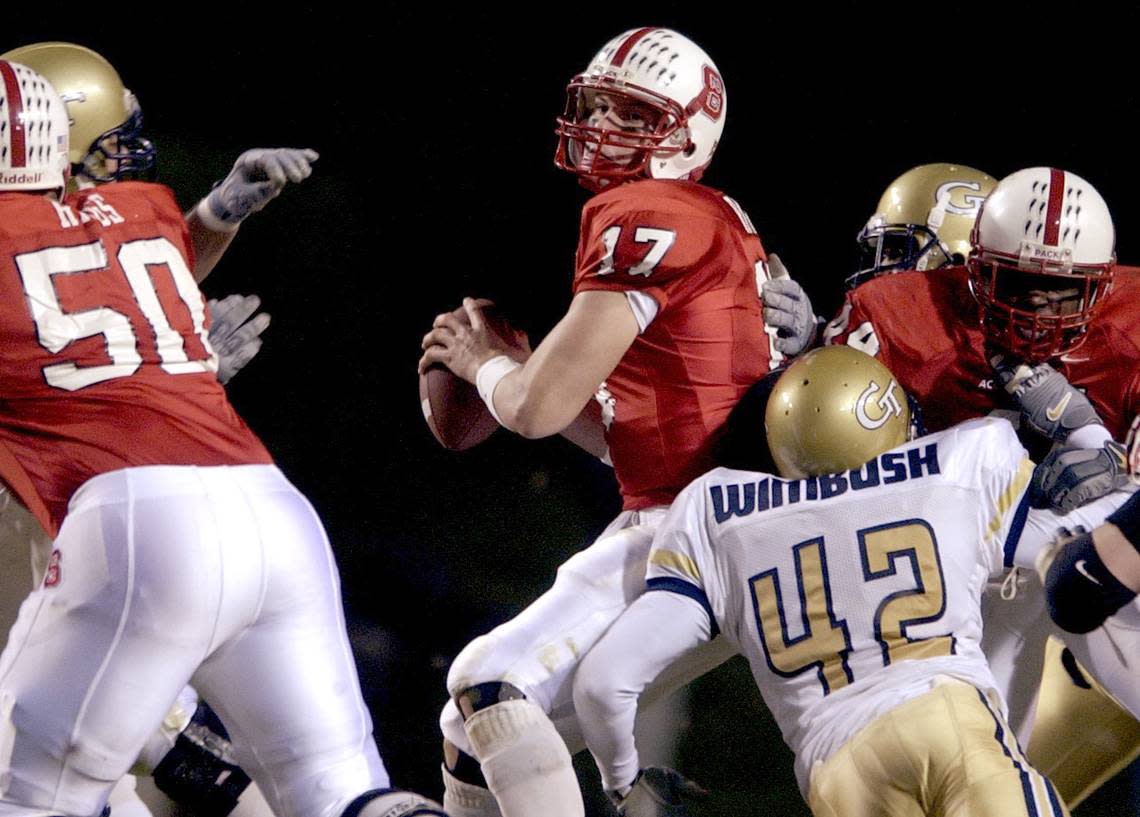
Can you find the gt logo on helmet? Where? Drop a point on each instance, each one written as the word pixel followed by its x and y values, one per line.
pixel 970 204
pixel 888 403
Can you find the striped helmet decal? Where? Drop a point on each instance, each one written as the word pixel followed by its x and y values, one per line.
pixel 13 115
pixel 1053 213
pixel 624 49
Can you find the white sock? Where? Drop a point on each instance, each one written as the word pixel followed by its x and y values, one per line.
pixel 466 800
pixel 525 761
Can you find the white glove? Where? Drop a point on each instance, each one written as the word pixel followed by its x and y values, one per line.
pixel 1049 404
pixel 235 338
pixel 257 177
pixel 788 309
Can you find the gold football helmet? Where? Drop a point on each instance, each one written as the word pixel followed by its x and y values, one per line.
pixel 832 410
pixel 923 221
pixel 106 121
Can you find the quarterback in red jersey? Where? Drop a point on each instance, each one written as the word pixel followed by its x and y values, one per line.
pixel 666 326
pixel 690 282
pixel 179 544
pixel 923 322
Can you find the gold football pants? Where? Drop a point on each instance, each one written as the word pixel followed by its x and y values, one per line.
pixel 947 753
pixel 1081 736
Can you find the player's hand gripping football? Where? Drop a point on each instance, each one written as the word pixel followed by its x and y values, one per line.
pixel 659 792
pixel 257 177
pixel 235 337
pixel 788 309
pixel 465 345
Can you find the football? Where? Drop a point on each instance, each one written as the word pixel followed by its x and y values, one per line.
pixel 452 407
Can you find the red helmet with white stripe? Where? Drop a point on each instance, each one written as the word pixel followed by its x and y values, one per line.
pixel 33 131
pixel 651 104
pixel 1042 261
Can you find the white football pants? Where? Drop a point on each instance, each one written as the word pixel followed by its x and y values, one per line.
pixel 539 650
pixel 165 575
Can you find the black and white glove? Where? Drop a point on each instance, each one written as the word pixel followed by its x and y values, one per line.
pixel 257 177
pixel 658 792
pixel 788 309
pixel 1049 404
pixel 235 337
pixel 1071 477
pixel 200 771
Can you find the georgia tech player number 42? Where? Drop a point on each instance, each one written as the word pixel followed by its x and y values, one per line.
pixel 825 641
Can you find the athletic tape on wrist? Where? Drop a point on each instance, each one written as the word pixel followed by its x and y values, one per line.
pixel 211 221
pixel 488 378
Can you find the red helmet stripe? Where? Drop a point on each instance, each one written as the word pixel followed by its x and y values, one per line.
pixel 1053 214
pixel 630 41
pixel 15 109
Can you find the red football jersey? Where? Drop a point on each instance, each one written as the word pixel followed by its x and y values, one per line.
pixel 103 346
pixel 924 327
pixel 694 252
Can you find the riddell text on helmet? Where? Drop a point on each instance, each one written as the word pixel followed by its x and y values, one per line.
pixel 20 177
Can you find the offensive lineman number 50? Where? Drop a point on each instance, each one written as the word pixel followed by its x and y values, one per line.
pixel 57 329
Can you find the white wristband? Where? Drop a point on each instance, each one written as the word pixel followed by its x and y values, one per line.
pixel 212 222
pixel 488 377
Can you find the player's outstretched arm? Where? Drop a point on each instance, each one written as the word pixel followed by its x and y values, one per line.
pixel 546 393
pixel 257 177
pixel 656 630
pixel 1090 576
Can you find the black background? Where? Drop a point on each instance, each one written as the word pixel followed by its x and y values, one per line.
pixel 435 181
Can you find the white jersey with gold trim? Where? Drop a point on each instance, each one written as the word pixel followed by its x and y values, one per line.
pixel 832 586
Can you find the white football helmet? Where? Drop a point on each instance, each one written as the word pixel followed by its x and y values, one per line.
pixel 650 104
pixel 33 131
pixel 1042 261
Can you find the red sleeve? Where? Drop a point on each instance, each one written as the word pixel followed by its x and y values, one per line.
pixel 653 245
